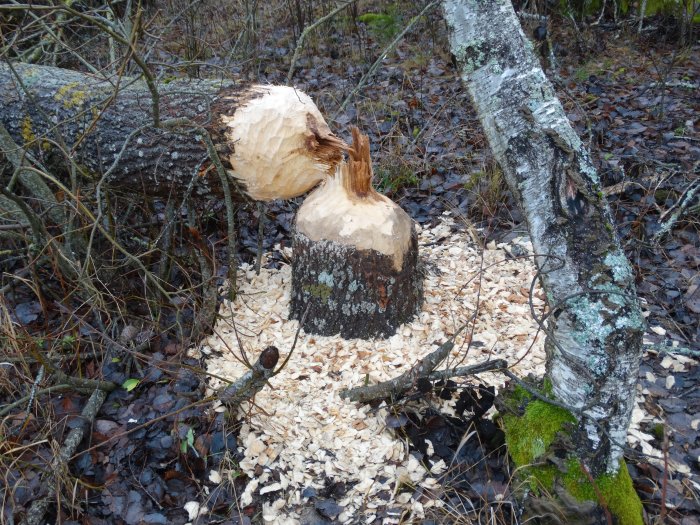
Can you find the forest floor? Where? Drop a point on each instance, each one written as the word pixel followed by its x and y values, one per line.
pixel 633 99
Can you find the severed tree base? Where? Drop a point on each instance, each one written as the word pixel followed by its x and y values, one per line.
pixel 353 292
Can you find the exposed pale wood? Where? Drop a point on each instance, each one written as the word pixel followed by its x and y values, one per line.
pixel 282 146
pixel 349 211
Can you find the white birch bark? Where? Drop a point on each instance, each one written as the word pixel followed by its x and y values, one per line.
pixel 595 333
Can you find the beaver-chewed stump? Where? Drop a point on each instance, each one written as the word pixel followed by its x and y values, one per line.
pixel 355 256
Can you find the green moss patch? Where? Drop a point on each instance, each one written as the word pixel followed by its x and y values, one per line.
pixel 529 436
pixel 541 478
pixel 616 491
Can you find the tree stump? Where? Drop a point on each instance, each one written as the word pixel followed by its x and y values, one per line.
pixel 355 256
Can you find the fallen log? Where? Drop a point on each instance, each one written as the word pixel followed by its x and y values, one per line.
pixel 271 139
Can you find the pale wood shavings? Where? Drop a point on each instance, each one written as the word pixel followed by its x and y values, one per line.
pixel 310 435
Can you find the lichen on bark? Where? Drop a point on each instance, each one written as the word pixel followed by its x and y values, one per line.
pixel 339 289
pixel 595 325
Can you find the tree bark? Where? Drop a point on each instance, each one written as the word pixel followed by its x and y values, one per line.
pixel 271 139
pixel 352 292
pixel 595 327
pixel 107 127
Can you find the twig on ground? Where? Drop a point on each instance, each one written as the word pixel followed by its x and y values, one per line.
pixel 689 199
pixel 35 514
pixel 11 406
pixel 470 370
pixel 83 382
pixel 63 378
pixel 664 480
pixel 114 437
pixel 253 380
pixel 304 34
pixel 394 387
pixel 399 385
pixel 599 496
pixel 32 395
pixel 666 348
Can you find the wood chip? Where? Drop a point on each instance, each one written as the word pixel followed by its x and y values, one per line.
pixel 308 436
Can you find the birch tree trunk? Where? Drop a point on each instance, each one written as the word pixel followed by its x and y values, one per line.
pixel 595 329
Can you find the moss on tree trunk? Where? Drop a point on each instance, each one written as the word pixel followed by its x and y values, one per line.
pixel 554 485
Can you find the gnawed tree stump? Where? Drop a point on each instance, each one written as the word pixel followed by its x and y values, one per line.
pixel 271 139
pixel 355 256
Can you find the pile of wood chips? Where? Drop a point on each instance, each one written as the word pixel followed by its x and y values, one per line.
pixel 308 437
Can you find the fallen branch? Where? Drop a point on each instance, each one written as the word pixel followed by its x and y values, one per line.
pixel 35 514
pixel 462 371
pixel 689 200
pixel 36 393
pixel 83 382
pixel 399 385
pixel 253 380
pixel 423 369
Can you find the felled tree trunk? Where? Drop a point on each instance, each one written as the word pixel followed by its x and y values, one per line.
pixel 271 139
pixel 596 328
pixel 355 256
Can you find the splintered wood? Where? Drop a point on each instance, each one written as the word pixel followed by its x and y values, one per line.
pixel 300 434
